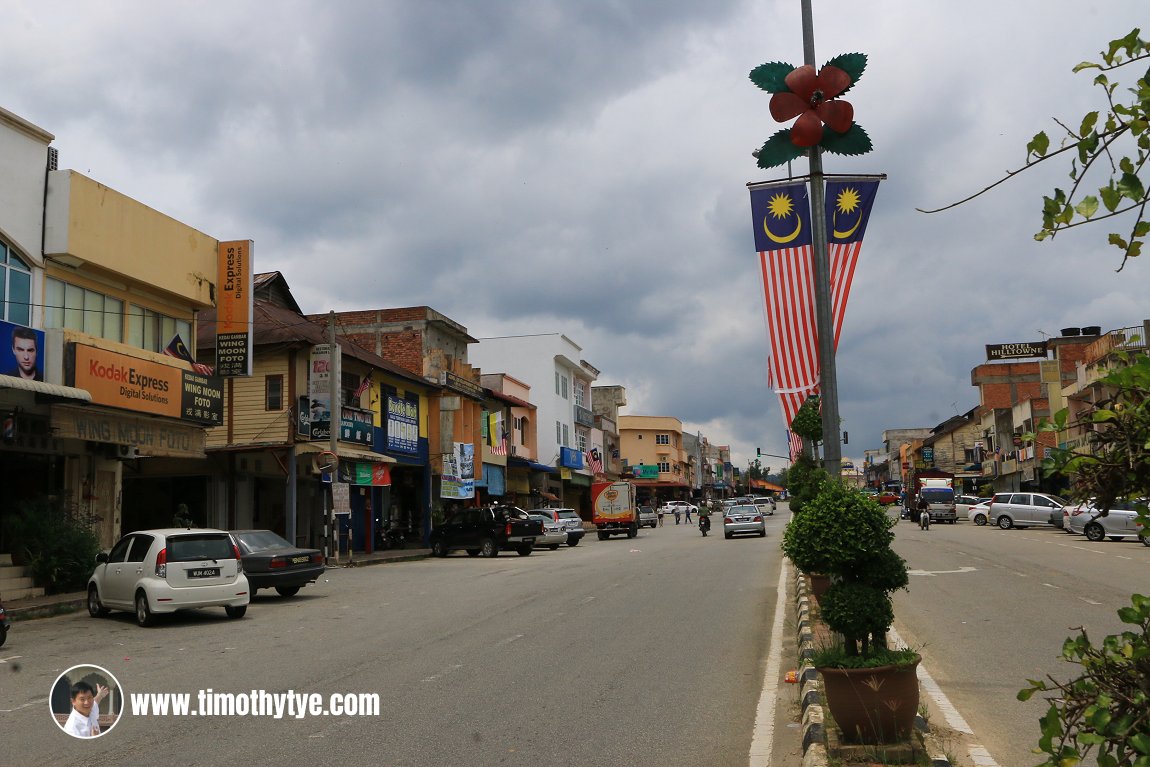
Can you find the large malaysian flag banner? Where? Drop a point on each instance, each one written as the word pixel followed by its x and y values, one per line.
pixel 782 221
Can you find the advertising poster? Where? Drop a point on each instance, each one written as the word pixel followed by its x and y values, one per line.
pixel 234 309
pixel 319 377
pixel 21 352
pixel 458 479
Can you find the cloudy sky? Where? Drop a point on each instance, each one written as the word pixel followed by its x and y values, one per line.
pixel 580 166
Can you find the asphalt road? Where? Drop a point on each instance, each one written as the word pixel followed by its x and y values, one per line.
pixel 640 652
pixel 990 609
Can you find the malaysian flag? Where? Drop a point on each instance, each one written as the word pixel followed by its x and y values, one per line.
pixel 178 349
pixel 364 385
pixel 594 462
pixel 782 221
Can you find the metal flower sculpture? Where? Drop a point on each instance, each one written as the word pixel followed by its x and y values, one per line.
pixel 824 120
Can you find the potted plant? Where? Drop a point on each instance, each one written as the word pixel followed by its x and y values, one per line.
pixel 871 690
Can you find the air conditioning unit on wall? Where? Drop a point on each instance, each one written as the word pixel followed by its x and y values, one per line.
pixel 126 452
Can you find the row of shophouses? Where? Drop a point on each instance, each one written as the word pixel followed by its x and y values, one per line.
pixel 987 448
pixel 168 370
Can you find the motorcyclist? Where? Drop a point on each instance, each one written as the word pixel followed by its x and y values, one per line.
pixel 704 517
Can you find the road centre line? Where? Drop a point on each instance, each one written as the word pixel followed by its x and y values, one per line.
pixel 763 737
pixel 1052 586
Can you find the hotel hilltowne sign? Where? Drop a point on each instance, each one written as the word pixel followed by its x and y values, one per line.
pixel 1016 351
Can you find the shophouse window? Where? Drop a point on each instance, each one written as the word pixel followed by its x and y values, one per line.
pixel 581 441
pixel 15 287
pixel 662 439
pixel 153 331
pixel 664 467
pixel 77 308
pixel 274 392
pixel 579 393
pixel 559 432
pixel 348 383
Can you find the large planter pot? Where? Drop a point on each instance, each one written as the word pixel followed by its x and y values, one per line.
pixel 873 705
pixel 819 585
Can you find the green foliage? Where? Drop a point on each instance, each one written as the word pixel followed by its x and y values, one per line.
pixel 1105 711
pixel 847 535
pixel 808 421
pixel 835 656
pixel 1109 152
pixel 803 481
pixel 57 545
pixel 858 612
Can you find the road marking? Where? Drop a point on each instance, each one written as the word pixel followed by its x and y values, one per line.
pixel 1089 601
pixel 443 673
pixel 40 702
pixel 763 739
pixel 978 754
pixel 1052 586
pixel 508 640
pixel 10 657
pixel 942 572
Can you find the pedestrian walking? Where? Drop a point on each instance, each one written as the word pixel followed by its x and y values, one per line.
pixel 678 514
pixel 660 512
pixel 687 511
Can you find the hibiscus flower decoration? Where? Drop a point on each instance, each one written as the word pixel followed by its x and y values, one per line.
pixel 824 120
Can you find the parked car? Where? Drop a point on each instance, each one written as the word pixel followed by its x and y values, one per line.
pixel 554 531
pixel 979 513
pixel 270 562
pixel 764 504
pixel 648 517
pixel 683 506
pixel 162 571
pixel 963 503
pixel 573 524
pixel 486 531
pixel 888 497
pixel 1009 510
pixel 743 518
pixel 1120 523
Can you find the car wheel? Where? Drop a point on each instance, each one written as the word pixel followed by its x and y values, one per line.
pixel 95 609
pixel 1146 541
pixel 287 591
pixel 525 551
pixel 237 612
pixel 488 548
pixel 572 542
pixel 632 531
pixel 473 552
pixel 554 547
pixel 144 615
pixel 1005 522
pixel 727 536
pixel 1094 532
pixel 603 536
pixel 439 549
pixel 980 519
pixel 3 635
pixel 762 533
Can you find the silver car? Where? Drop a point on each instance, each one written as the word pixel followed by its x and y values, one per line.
pixel 554 529
pixel 1119 524
pixel 743 518
pixel 1009 510
pixel 573 523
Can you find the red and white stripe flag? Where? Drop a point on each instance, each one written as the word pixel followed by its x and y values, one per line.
pixel 782 220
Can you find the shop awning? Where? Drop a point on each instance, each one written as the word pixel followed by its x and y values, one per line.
pixel 522 463
pixel 351 454
pixel 40 387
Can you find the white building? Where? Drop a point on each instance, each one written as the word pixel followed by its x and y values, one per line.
pixel 560 381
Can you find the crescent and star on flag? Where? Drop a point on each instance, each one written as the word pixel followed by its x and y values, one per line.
pixel 781 207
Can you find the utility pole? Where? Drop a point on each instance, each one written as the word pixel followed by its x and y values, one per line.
pixel 828 380
pixel 333 368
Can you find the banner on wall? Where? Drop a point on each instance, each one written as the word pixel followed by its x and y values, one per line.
pixel 458 480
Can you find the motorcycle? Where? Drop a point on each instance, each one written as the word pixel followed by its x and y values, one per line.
pixel 4 623
pixel 704 525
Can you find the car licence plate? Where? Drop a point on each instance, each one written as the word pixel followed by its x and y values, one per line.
pixel 204 572
pixel 300 560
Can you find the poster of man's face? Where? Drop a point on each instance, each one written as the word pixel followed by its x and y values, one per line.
pixel 21 352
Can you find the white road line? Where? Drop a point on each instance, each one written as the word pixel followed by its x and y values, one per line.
pixel 763 739
pixel 508 640
pixel 1089 601
pixel 1052 586
pixel 980 756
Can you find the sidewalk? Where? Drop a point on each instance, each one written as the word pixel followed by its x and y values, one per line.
pixel 56 604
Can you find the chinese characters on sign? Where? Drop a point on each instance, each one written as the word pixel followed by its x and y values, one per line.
pixel 234 309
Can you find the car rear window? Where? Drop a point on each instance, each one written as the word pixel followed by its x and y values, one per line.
pixel 192 548
pixel 568 515
pixel 937 494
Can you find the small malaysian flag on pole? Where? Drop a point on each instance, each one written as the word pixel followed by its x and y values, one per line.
pixel 364 385
pixel 594 462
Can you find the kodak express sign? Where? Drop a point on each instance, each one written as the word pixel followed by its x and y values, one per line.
pixel 120 381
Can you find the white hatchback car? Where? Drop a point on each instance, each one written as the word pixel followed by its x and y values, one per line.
pixel 162 571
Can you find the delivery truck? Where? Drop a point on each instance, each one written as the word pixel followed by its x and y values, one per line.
pixel 939 495
pixel 614 510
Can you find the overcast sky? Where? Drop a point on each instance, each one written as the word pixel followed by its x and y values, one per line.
pixel 580 166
